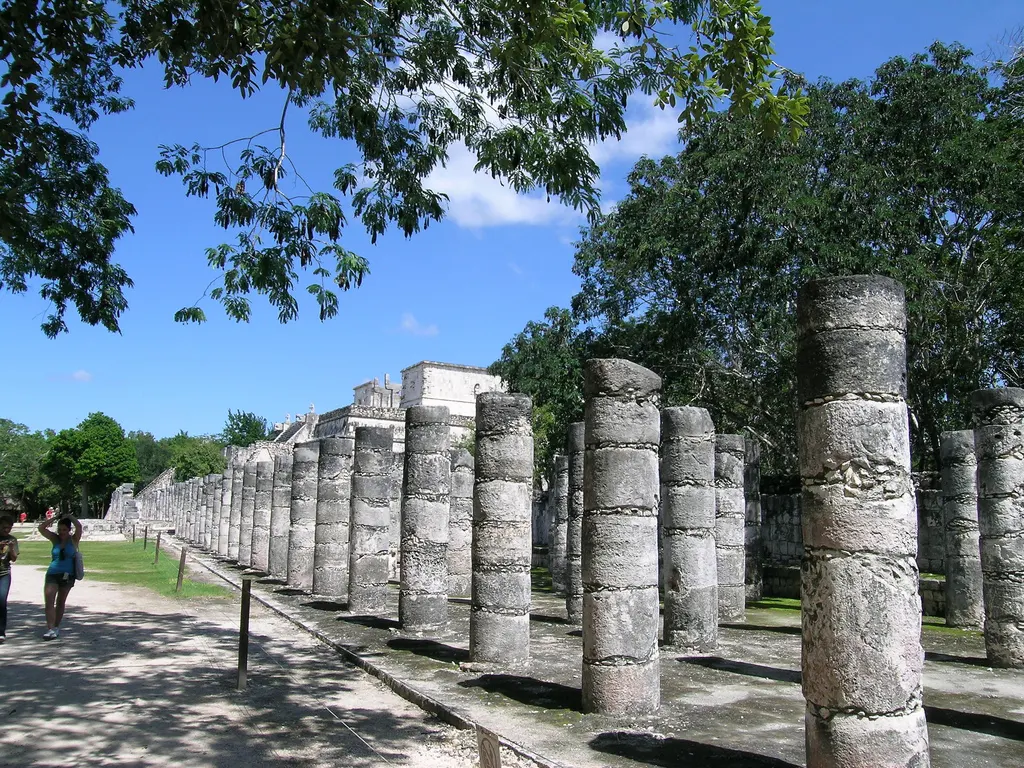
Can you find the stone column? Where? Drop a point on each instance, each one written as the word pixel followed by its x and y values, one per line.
pixel 395 529
pixel 248 514
pixel 862 655
pixel 301 532
pixel 690 577
pixel 235 513
pixel 195 502
pixel 460 524
pixel 559 523
pixel 204 505
pixel 753 544
pixel 964 605
pixel 260 559
pixel 224 523
pixel 216 489
pixel 334 484
pixel 499 621
pixel 371 518
pixel 573 534
pixel 730 515
pixel 280 516
pixel 999 446
pixel 422 595
pixel 621 668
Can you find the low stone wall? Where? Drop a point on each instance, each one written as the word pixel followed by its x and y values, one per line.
pixel 931 547
pixel 933 597
pixel 780 530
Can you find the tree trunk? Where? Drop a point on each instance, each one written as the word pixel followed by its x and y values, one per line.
pixel 85 500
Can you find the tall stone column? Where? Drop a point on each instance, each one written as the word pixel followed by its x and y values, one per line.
pixel 959 467
pixel 690 577
pixel 422 595
pixel 204 508
pixel 753 544
pixel 224 522
pixel 730 516
pixel 460 524
pixel 395 529
pixel 235 513
pixel 999 446
pixel 574 525
pixel 499 621
pixel 248 514
pixel 371 518
pixel 280 516
pixel 559 523
pixel 862 655
pixel 260 559
pixel 621 667
pixel 195 505
pixel 214 527
pixel 334 484
pixel 301 532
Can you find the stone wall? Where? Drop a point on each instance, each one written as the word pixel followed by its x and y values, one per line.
pixel 931 548
pixel 453 386
pixel 342 422
pixel 781 532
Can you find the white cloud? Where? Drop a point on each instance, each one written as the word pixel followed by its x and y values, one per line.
pixel 411 325
pixel 651 131
pixel 516 269
pixel 82 376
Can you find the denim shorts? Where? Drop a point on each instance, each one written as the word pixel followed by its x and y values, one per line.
pixel 61 579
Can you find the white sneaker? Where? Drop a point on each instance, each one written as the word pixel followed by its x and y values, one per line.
pixel 3 639
pixel 56 632
pixel 49 634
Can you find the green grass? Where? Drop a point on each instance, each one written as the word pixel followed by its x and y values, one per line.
pixel 118 562
pixel 540 579
pixel 785 603
pixel 938 624
pixel 935 576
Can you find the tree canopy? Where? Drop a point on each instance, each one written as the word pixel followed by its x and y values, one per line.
pixel 915 174
pixel 522 84
pixel 244 428
pixel 21 458
pixel 195 456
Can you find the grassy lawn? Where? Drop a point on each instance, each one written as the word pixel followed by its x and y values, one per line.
pixel 120 562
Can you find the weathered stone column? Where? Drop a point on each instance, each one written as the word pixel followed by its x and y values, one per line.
pixel 260 559
pixel 621 668
pixel 224 523
pixel 959 467
pixel 559 523
pixel 499 621
pixel 574 525
pixel 218 489
pixel 202 521
pixel 248 514
pixel 999 446
pixel 422 596
pixel 302 531
pixel 862 655
pixel 395 529
pixel 371 518
pixel 460 524
pixel 280 516
pixel 334 484
pixel 235 519
pixel 753 544
pixel 195 504
pixel 730 516
pixel 690 575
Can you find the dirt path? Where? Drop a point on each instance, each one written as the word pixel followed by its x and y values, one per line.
pixel 140 680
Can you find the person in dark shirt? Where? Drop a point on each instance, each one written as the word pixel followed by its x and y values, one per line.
pixel 8 554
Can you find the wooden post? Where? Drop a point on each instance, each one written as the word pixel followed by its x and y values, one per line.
pixel 181 569
pixel 157 558
pixel 145 537
pixel 243 633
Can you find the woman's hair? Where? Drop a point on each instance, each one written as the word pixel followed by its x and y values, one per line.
pixel 65 521
pixel 6 520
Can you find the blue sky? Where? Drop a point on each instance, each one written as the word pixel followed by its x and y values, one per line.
pixel 455 293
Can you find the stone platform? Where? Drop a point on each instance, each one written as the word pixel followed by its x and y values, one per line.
pixel 740 706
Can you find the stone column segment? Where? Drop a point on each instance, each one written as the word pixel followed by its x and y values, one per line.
pixel 730 516
pixel 224 523
pixel 422 596
pixel 621 667
pixel 218 493
pixel 334 481
pixel 959 467
pixel 999 446
pixel 573 533
pixel 499 620
pixel 559 523
pixel 235 513
pixel 690 575
pixel 260 559
pixel 280 516
pixel 862 655
pixel 395 528
pixel 248 513
pixel 370 521
pixel 460 524
pixel 301 532
pixel 753 543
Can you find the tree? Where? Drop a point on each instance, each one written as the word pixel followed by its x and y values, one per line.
pixel 243 428
pixel 915 174
pixel 153 456
pixel 94 458
pixel 521 84
pixel 21 476
pixel 195 456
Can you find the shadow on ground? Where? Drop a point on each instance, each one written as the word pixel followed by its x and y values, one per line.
pixel 680 753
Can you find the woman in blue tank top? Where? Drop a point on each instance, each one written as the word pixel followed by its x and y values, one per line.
pixel 60 576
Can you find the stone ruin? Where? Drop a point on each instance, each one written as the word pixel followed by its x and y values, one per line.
pixel 648 503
